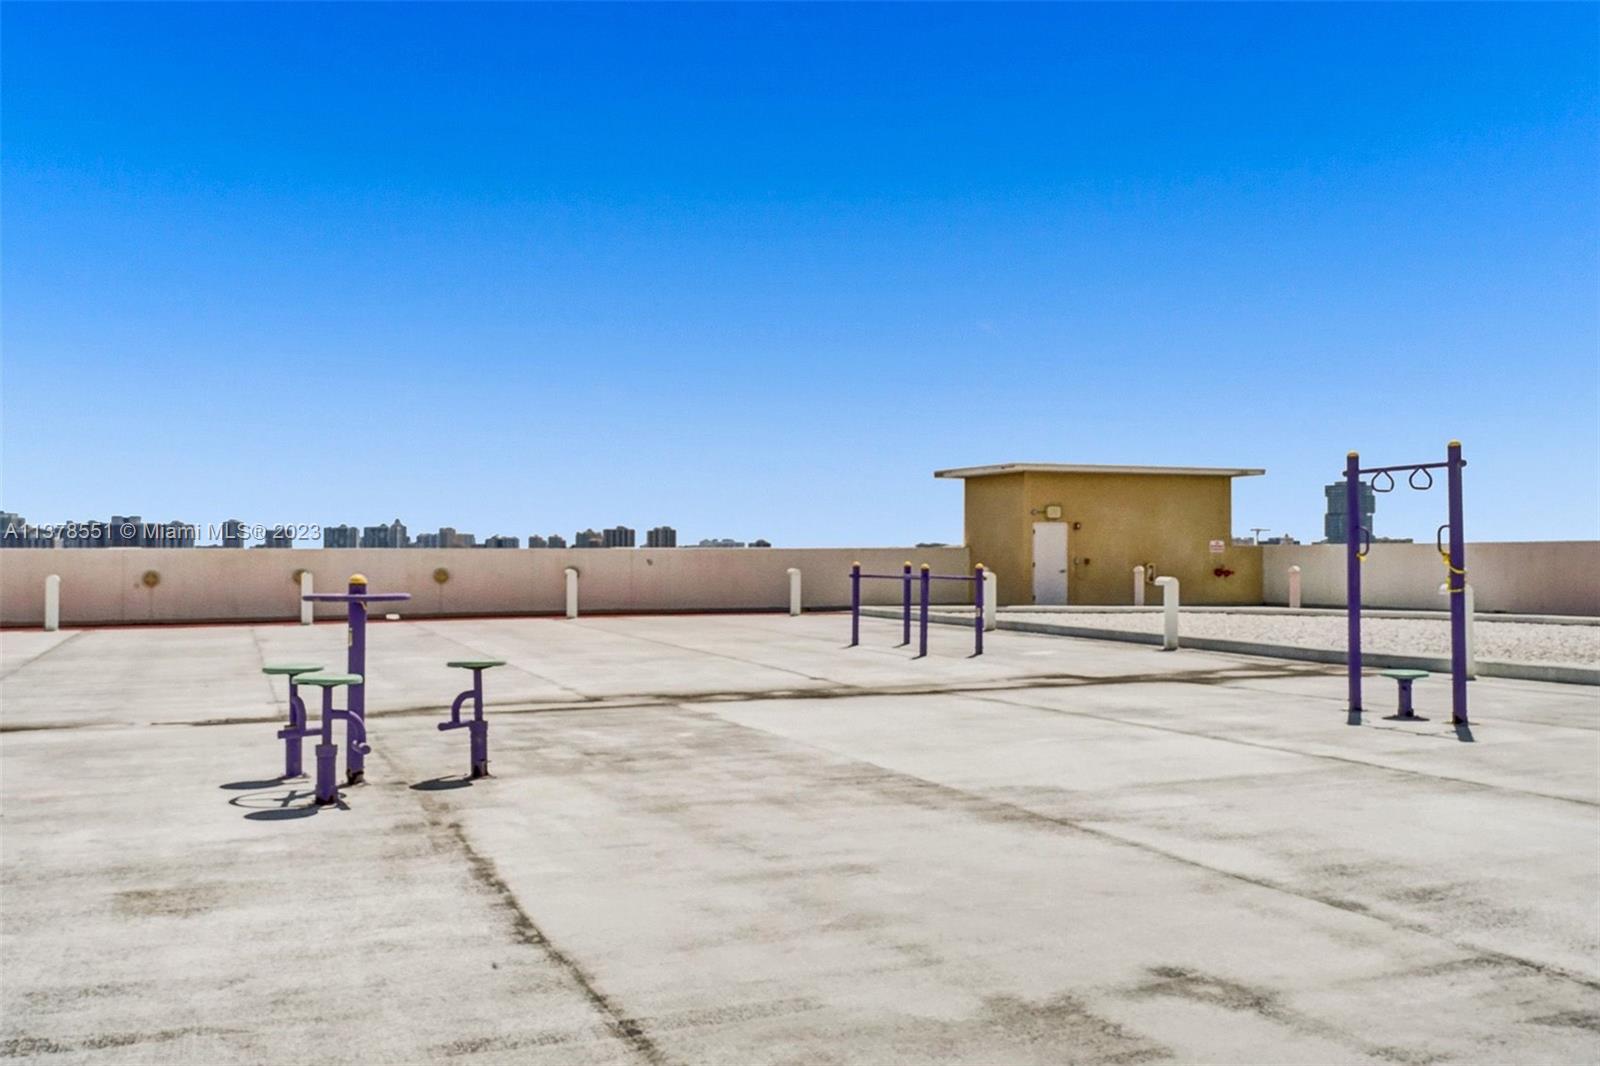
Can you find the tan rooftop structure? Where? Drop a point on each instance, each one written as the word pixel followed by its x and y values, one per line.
pixel 997 469
pixel 1060 533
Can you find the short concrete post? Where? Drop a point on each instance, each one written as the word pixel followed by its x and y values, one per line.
pixel 1471 606
pixel 572 593
pixel 1294 588
pixel 991 600
pixel 52 603
pixel 305 604
pixel 1138 586
pixel 1169 604
pixel 794 592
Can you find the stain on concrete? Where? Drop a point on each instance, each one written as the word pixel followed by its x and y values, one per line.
pixel 1196 986
pixel 178 901
pixel 1571 1019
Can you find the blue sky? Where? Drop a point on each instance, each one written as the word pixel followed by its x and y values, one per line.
pixel 758 271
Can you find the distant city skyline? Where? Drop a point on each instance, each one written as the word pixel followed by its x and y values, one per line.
pixel 17 531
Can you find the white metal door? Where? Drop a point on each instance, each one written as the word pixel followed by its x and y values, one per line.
pixel 1050 562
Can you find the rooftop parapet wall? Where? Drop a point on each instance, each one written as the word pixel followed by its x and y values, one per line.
pixel 105 585
pixel 1515 577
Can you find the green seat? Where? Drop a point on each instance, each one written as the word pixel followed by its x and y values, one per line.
pixel 476 664
pixel 1404 675
pixel 291 668
pixel 328 680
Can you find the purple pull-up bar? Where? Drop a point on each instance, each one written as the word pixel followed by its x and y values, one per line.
pixel 927 579
pixel 1455 562
pixel 904 577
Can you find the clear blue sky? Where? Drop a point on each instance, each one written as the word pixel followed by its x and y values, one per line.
pixel 758 271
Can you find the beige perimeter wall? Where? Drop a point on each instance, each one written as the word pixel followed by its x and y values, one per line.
pixel 1526 577
pixel 104 585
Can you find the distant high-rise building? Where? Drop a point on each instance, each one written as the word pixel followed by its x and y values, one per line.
pixel 588 538
pixel 341 537
pixel 169 535
pixel 126 531
pixel 16 533
pixel 556 540
pixel 447 537
pixel 233 534
pixel 392 535
pixel 500 542
pixel 618 537
pixel 661 537
pixel 277 537
pixel 536 541
pixel 1336 523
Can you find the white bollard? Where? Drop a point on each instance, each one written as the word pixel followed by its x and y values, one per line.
pixel 52 603
pixel 1471 606
pixel 306 606
pixel 572 593
pixel 1138 586
pixel 1169 605
pixel 991 601
pixel 1294 588
pixel 794 592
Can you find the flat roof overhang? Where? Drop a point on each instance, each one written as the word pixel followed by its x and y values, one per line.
pixel 1090 468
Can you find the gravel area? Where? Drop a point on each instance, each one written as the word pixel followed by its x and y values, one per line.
pixel 1526 642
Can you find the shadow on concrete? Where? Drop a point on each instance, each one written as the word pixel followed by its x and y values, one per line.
pixel 442 784
pixel 1464 733
pixel 279 804
pixel 285 814
pixel 253 786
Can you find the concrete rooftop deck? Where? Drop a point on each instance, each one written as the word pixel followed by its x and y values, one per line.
pixel 728 839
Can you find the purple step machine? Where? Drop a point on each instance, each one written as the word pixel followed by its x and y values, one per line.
pixel 1420 477
pixel 926 581
pixel 355 709
pixel 477 728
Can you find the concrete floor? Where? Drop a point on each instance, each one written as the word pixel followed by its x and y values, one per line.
pixel 729 839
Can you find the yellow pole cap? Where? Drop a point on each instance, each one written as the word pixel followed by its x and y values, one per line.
pixel 925 566
pixel 1353 455
pixel 358 579
pixel 1454 444
pixel 856 563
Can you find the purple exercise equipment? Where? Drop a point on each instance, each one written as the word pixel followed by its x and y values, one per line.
pixel 1455 562
pixel 356 600
pixel 477 727
pixel 927 578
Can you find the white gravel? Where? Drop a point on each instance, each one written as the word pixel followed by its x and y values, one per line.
pixel 1528 642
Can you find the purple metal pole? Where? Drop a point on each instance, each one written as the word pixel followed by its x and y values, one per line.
pixel 327 754
pixel 1352 578
pixel 977 603
pixel 855 604
pixel 1458 592
pixel 292 765
pixel 478 731
pixel 905 613
pixel 356 699
pixel 922 652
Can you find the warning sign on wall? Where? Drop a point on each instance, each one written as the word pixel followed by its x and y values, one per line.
pixel 1217 547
